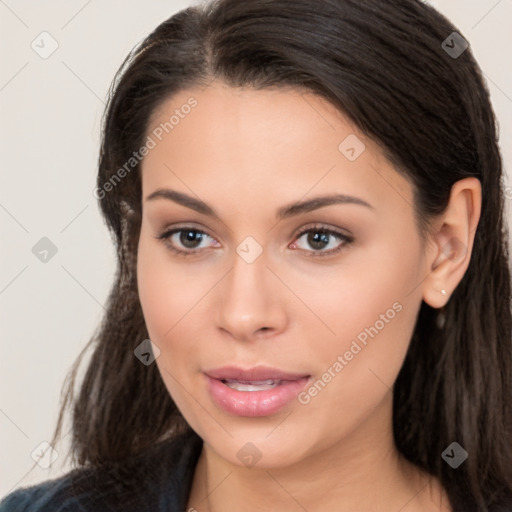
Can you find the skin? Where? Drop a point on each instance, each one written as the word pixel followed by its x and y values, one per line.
pixel 247 153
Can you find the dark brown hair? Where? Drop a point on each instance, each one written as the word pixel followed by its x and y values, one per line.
pixel 383 65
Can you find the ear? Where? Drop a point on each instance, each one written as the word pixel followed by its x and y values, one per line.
pixel 451 242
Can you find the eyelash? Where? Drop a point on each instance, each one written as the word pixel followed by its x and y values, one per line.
pixel 345 239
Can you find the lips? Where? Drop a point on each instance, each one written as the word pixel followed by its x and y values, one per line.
pixel 256 374
pixel 259 391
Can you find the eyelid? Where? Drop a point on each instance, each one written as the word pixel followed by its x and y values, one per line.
pixel 325 228
pixel 165 234
pixel 346 239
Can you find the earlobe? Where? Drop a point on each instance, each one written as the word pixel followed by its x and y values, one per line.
pixel 452 243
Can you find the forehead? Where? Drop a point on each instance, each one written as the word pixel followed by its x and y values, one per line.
pixel 282 143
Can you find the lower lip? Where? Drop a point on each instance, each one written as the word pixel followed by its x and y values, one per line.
pixel 255 403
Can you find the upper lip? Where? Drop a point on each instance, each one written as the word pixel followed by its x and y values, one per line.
pixel 257 373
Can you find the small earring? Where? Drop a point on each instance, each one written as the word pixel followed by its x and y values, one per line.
pixel 441 317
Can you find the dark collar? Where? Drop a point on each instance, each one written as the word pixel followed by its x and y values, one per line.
pixel 158 479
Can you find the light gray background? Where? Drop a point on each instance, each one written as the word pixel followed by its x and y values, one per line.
pixel 50 112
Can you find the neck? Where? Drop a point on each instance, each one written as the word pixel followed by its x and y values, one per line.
pixel 363 471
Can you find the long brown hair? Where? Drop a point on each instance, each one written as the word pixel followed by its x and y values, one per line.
pixel 382 64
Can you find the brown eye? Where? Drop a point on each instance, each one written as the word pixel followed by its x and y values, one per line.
pixel 189 238
pixel 320 241
pixel 186 241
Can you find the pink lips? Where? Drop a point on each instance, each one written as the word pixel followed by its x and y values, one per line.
pixel 253 403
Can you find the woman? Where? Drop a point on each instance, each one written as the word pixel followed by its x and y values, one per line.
pixel 312 303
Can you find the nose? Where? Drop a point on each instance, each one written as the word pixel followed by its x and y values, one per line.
pixel 250 301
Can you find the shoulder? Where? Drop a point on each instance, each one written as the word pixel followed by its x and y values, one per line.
pixel 155 480
pixel 38 497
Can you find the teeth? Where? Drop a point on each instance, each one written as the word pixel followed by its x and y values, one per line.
pixel 260 385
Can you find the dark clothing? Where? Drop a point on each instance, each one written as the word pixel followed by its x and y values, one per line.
pixel 158 480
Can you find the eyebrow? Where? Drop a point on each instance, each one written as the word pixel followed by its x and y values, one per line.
pixel 284 212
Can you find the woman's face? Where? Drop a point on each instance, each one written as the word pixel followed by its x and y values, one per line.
pixel 322 296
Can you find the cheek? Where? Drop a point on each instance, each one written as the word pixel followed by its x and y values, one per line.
pixel 371 312
pixel 357 369
pixel 173 298
pixel 166 291
pixel 372 294
pixel 165 296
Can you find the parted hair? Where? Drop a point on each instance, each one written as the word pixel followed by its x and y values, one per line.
pixel 382 64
